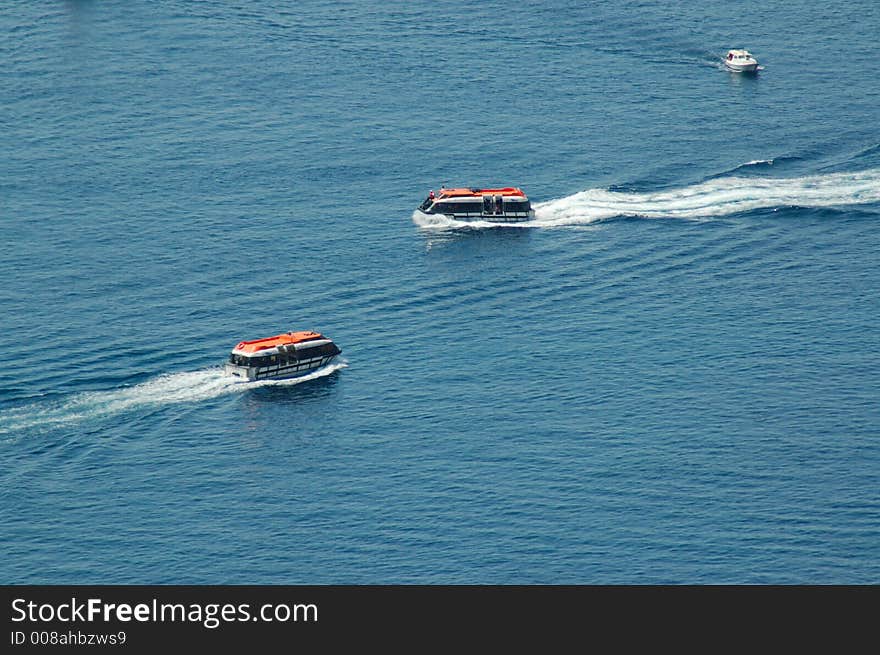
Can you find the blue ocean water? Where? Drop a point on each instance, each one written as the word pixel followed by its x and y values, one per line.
pixel 671 376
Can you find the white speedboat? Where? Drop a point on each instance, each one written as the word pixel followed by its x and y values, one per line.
pixel 741 61
pixel 501 205
pixel 287 355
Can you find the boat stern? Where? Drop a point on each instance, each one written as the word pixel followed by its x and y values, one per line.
pixel 240 373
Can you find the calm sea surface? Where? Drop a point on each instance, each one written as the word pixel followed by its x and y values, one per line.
pixel 671 376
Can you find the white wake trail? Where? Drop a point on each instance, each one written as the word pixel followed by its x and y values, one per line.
pixel 185 387
pixel 717 197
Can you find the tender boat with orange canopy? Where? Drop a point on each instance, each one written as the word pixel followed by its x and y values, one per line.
pixel 502 205
pixel 283 356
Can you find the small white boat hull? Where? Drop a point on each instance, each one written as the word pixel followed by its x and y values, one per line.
pixel 741 68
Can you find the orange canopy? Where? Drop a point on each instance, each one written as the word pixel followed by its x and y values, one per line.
pixel 476 193
pixel 279 340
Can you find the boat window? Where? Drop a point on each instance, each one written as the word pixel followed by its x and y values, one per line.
pixel 324 350
pixel 517 206
pixel 458 207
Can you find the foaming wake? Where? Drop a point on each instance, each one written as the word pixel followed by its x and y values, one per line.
pixel 716 197
pixel 186 387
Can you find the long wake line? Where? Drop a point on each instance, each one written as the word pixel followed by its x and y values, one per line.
pixel 712 198
pixel 186 387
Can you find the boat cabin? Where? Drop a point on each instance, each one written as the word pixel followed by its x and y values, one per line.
pixel 281 356
pixel 506 203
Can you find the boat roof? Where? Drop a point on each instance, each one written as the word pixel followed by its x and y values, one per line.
pixel 739 52
pixel 474 192
pixel 279 340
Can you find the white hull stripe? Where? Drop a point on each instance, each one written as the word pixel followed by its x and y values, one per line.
pixel 272 372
